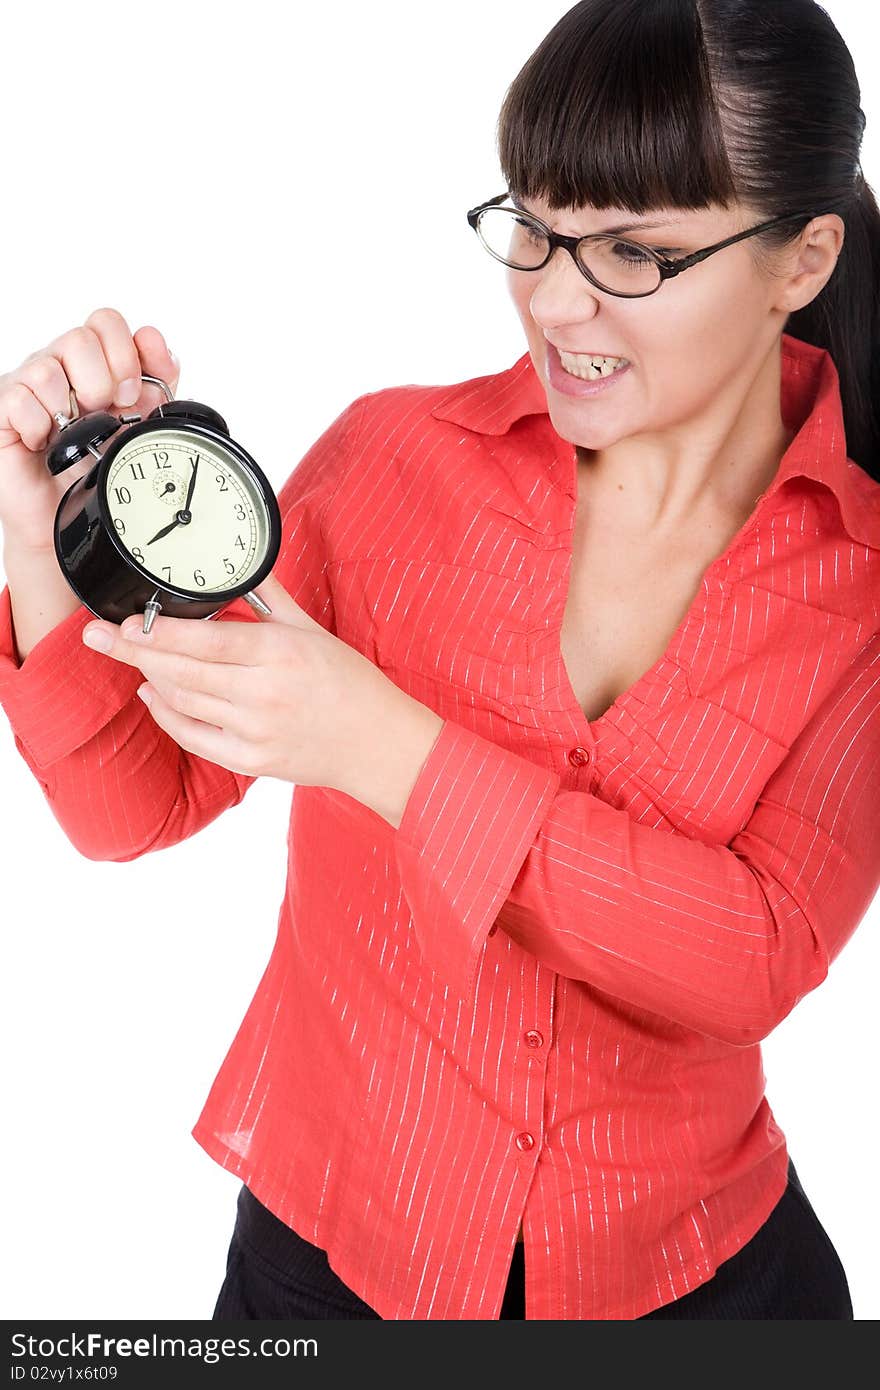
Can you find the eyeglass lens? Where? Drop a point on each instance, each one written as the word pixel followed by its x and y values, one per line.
pixel 618 265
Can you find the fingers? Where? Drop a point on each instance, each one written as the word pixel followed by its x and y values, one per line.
pixel 104 363
pixel 184 709
pixel 80 360
pixel 225 643
pixel 122 386
pixel 156 358
pixel 101 362
pixel 177 670
pixel 128 357
pixel 31 402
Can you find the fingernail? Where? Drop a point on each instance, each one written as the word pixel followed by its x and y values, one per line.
pixel 145 694
pixel 96 637
pixel 128 392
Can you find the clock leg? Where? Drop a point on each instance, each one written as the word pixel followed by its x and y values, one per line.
pixel 152 609
pixel 257 603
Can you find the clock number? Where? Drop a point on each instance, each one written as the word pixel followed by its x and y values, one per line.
pixel 138 554
pixel 161 454
pixel 199 577
pixel 122 494
pixel 119 524
pixel 222 481
pixel 239 542
pixel 230 567
pixel 167 569
pixel 240 512
pixel 137 468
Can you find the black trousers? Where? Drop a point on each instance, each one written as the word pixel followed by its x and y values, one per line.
pixel 789 1269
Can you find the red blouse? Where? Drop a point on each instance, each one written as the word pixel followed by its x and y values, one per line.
pixel 543 995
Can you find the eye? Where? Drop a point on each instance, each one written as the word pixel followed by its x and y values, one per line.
pixel 532 233
pixel 629 254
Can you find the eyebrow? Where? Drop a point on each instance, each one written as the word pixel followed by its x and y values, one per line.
pixel 613 231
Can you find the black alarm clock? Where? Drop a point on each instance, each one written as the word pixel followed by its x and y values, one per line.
pixel 174 518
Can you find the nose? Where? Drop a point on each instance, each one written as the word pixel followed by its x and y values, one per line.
pixel 562 294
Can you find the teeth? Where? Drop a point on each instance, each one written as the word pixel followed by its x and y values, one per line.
pixel 590 368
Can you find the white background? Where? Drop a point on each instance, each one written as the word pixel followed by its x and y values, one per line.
pixel 245 177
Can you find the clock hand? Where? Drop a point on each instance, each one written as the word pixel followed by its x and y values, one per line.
pixel 177 520
pixel 192 485
pixel 165 529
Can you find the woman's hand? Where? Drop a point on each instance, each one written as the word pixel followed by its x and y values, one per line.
pixel 102 363
pixel 280 698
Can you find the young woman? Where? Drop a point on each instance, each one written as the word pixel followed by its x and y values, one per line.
pixel 596 809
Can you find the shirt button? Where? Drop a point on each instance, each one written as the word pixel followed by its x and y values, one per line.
pixel 534 1038
pixel 579 757
pixel 525 1141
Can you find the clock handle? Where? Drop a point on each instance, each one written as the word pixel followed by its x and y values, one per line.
pixel 158 382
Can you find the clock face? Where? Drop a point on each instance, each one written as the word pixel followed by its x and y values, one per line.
pixel 212 544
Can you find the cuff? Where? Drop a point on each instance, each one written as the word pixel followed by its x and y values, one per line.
pixel 63 693
pixel 467 826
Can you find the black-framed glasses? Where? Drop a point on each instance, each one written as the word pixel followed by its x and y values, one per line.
pixel 612 263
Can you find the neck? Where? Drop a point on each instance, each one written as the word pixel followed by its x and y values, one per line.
pixel 716 465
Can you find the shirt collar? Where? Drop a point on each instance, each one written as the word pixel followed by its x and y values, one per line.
pixel 810 404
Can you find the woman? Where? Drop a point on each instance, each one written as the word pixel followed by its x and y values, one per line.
pixel 505 1058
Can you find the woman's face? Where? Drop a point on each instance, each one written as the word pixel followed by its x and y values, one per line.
pixel 683 343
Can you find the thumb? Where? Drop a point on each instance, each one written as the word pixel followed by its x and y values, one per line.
pixel 284 610
pixel 156 360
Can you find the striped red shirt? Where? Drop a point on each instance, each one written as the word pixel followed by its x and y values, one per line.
pixel 542 997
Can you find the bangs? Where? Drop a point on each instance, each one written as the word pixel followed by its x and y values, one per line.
pixel 615 108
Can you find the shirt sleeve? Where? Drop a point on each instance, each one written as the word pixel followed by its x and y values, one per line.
pixel 117 784
pixel 722 939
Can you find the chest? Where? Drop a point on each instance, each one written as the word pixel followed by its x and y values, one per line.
pixel 624 603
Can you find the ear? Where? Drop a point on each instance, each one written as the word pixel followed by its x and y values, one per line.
pixel 818 249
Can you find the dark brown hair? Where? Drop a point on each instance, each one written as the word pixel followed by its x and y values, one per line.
pixel 643 104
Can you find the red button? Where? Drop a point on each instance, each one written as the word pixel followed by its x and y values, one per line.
pixel 579 757
pixel 525 1141
pixel 534 1038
